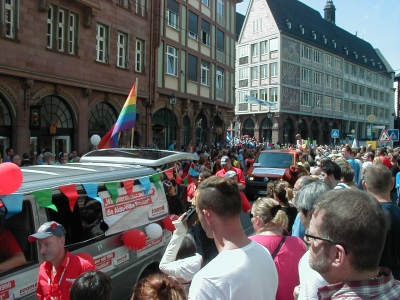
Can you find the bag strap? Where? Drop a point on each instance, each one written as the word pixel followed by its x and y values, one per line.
pixel 279 247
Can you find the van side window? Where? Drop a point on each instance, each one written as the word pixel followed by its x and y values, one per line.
pixel 83 223
pixel 21 225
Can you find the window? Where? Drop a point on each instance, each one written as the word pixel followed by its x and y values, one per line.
pixel 324 39
pixel 305 99
pixel 273 94
pixel 273 45
pixel 301 29
pixel 264 71
pixel 273 69
pixel 257 25
pixel 220 40
pixel 354 70
pixel 318 56
pixel 254 50
pixel 264 47
pixel 328 60
pixel 140 50
pixel 369 93
pixel 193 26
pixel 124 3
pixel 353 108
pixel 205 73
pixel 141 7
pixel 220 7
pixel 314 35
pixel 172 60
pixel 254 93
pixel 362 73
pixel 102 43
pixel 10 12
pixel 346 87
pixel 338 84
pixel 243 51
pixel 328 103
pixel 220 79
pixel 306 75
pixel 192 68
pixel 62 30
pixel 264 94
pixel 369 76
pixel 361 109
pixel 329 81
pixel 122 50
pixel 206 2
pixel 346 106
pixel 346 68
pixel 361 91
pixel 317 78
pixel 353 90
pixel 173 14
pixel 317 101
pixel 338 104
pixel 305 52
pixel 243 73
pixel 338 64
pixel 254 73
pixel 205 33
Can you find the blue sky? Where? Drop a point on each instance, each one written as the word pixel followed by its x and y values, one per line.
pixel 376 21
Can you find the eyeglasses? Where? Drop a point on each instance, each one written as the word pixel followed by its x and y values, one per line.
pixel 308 238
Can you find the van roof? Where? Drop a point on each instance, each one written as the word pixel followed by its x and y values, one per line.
pixel 129 156
pixel 48 176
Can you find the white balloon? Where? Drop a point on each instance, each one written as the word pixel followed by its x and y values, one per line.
pixel 95 139
pixel 154 231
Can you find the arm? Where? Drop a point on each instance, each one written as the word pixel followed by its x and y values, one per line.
pixel 18 259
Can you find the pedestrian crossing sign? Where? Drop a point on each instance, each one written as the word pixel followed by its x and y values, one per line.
pixel 384 137
pixel 393 134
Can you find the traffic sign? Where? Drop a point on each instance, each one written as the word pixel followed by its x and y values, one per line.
pixel 335 133
pixel 384 137
pixel 393 134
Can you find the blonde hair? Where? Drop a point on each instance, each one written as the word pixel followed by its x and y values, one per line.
pixel 262 209
pixel 377 161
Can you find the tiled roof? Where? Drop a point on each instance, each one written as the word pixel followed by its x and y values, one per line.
pixel 298 14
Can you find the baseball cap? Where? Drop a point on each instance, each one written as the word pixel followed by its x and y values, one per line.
pixel 47 230
pixel 225 160
pixel 230 174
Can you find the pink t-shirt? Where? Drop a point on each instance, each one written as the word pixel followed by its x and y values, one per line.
pixel 286 261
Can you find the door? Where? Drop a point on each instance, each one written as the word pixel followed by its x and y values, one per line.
pixel 60 144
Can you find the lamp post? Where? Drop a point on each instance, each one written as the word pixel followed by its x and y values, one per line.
pixel 269 130
pixel 330 129
pixel 172 101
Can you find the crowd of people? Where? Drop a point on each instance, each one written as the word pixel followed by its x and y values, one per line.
pixel 329 229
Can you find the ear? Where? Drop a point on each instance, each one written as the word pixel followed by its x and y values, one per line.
pixel 392 184
pixel 339 256
pixel 62 241
pixel 208 216
pixel 364 184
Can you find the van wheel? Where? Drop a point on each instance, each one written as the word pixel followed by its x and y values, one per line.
pixel 146 272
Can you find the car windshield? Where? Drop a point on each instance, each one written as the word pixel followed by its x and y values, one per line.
pixel 275 160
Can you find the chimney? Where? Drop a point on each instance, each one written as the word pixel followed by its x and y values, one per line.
pixel 329 10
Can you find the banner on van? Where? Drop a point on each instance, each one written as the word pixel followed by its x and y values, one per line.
pixel 133 210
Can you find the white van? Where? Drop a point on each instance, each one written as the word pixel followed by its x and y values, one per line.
pixel 94 225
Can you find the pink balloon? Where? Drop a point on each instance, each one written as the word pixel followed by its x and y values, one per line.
pixel 168 222
pixel 86 256
pixel 11 178
pixel 134 239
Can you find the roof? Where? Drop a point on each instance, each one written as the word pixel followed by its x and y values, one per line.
pixel 297 13
pixel 239 24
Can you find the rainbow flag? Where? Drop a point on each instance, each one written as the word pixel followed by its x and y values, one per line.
pixel 126 120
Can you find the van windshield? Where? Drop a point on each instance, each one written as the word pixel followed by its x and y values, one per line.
pixel 275 160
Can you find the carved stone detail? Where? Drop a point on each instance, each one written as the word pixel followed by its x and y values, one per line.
pixel 87 92
pixel 44 5
pixel 29 83
pixel 89 14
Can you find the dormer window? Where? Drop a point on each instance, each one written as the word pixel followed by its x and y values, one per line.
pixel 380 65
pixel 346 50
pixel 301 29
pixel 324 39
pixel 289 25
pixel 364 58
pixel 334 43
pixel 314 35
pixel 355 54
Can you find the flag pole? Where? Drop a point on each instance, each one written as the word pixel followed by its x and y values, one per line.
pixel 133 128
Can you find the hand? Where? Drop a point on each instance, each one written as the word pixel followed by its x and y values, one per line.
pixel 181 218
pixel 296 292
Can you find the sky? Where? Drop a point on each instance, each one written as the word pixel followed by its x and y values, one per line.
pixel 376 21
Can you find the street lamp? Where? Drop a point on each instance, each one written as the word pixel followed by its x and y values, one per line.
pixel 269 129
pixel 330 129
pixel 172 101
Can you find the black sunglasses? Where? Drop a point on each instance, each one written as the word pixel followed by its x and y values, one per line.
pixel 308 238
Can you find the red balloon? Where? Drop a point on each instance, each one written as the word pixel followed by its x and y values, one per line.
pixel 86 256
pixel 168 222
pixel 11 178
pixel 134 239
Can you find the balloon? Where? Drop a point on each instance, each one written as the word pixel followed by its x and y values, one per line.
pixel 154 231
pixel 134 239
pixel 168 222
pixel 11 178
pixel 95 139
pixel 86 256
pixel 277 147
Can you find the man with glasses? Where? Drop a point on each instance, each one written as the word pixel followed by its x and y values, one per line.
pixel 9 154
pixel 346 236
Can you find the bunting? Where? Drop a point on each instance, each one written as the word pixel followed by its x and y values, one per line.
pixel 13 202
pixel 91 191
pixel 128 185
pixel 112 188
pixel 44 199
pixel 145 182
pixel 71 193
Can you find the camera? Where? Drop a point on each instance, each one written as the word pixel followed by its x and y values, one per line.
pixel 191 216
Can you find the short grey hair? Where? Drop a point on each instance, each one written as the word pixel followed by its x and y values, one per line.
pixel 308 194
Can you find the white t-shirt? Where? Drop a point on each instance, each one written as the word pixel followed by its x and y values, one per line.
pixel 310 280
pixel 244 273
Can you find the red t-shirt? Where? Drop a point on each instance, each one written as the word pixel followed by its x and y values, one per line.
pixel 286 261
pixel 191 189
pixel 386 161
pixel 246 206
pixel 240 177
pixel 8 245
pixel 49 286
